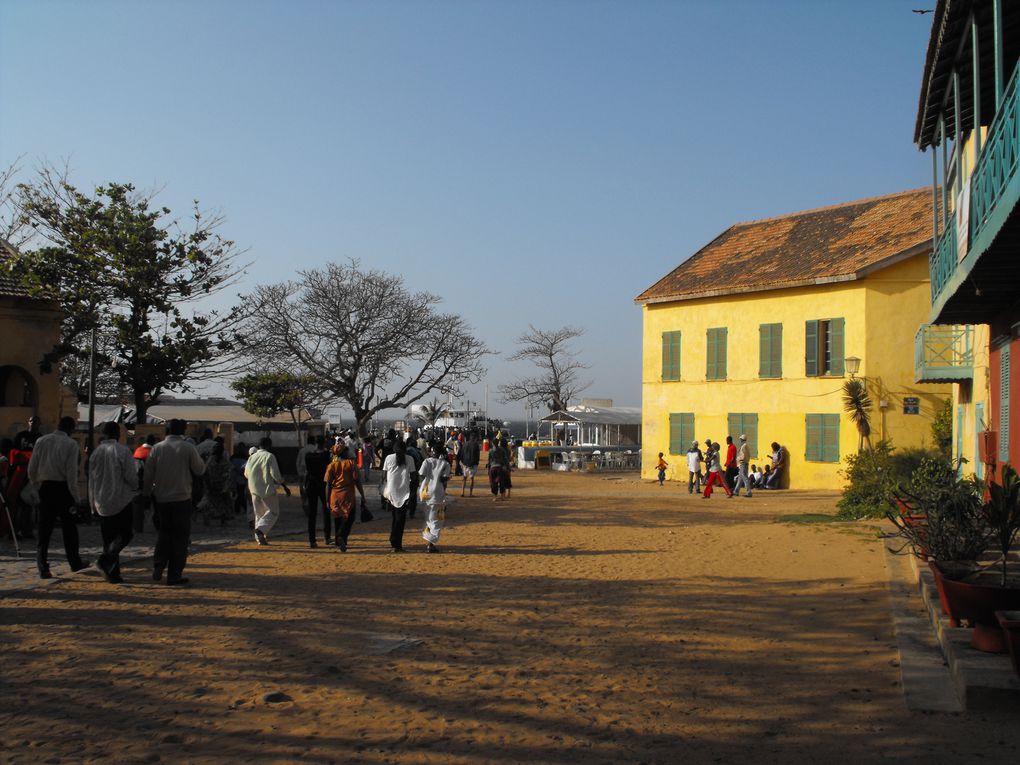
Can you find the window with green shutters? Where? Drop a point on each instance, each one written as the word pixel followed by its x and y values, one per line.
pixel 716 353
pixel 770 355
pixel 824 347
pixel 822 438
pixel 670 356
pixel 681 432
pixel 743 423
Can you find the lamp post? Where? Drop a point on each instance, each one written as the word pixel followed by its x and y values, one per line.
pixel 853 365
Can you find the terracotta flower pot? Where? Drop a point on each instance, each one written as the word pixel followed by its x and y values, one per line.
pixel 1010 623
pixel 977 603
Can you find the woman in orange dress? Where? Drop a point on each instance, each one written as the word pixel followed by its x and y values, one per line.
pixel 341 480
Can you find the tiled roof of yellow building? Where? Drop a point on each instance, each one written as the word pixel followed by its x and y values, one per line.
pixel 838 243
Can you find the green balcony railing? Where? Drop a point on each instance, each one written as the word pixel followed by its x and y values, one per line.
pixel 996 170
pixel 942 261
pixel 944 353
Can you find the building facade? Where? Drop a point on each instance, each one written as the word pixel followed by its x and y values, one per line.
pixel 753 334
pixel 29 329
pixel 969 119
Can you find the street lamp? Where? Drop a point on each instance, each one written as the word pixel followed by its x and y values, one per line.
pixel 853 365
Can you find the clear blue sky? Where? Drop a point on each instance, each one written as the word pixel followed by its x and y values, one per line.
pixel 529 161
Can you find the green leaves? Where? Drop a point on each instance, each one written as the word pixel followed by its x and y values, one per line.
pixel 118 266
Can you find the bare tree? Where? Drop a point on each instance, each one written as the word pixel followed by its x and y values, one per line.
pixel 558 379
pixel 363 336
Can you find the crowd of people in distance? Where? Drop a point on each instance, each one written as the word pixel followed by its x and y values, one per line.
pixel 732 472
pixel 181 479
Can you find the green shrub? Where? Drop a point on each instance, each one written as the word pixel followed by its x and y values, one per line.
pixel 942 429
pixel 870 482
pixel 873 476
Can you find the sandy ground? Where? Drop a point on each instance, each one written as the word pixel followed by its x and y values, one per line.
pixel 593 619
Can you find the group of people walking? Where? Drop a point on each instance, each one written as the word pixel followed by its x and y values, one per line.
pixel 180 480
pixel 731 472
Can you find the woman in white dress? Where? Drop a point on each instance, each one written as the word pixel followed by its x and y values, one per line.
pixel 435 472
pixel 397 470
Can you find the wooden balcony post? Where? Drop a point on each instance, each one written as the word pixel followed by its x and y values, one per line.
pixel 976 86
pixel 957 137
pixel 997 27
pixel 934 199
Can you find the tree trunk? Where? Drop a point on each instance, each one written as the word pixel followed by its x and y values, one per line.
pixel 297 426
pixel 141 408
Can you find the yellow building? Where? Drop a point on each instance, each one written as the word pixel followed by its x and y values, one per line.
pixel 29 329
pixel 753 334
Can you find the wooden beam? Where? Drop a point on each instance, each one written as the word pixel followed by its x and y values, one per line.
pixel 976 86
pixel 997 35
pixel 934 198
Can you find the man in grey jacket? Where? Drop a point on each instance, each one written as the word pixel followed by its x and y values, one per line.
pixel 168 473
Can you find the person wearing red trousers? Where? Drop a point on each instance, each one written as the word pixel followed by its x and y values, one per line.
pixel 715 475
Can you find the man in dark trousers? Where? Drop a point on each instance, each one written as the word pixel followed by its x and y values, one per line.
pixel 168 480
pixel 54 467
pixel 470 456
pixel 113 484
pixel 316 462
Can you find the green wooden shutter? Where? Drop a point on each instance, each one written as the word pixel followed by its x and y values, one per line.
pixel 721 346
pixel 776 351
pixel 813 452
pixel 686 430
pixel 1004 403
pixel 836 329
pixel 750 429
pixel 670 355
pixel 733 425
pixel 830 438
pixel 675 437
pixel 770 350
pixel 811 348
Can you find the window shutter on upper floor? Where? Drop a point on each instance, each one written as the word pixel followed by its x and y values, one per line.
pixel 836 344
pixel 811 348
pixel 671 355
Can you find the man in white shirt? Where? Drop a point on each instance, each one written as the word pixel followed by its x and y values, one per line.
pixel 54 468
pixel 743 462
pixel 113 484
pixel 263 474
pixel 168 480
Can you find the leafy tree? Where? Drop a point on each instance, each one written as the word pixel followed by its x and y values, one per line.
pixel 118 264
pixel 363 337
pixel 267 394
pixel 557 381
pixel 433 412
pixel 942 428
pixel 857 403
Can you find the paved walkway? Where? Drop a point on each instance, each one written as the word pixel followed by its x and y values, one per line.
pixel 19 573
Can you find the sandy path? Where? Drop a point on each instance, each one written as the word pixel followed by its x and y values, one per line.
pixel 588 620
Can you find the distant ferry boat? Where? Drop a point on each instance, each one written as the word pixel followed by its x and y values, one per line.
pixel 457 418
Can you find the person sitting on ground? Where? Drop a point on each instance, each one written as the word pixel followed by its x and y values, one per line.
pixel 764 480
pixel 755 477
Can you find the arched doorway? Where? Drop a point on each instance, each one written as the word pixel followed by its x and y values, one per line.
pixel 17 387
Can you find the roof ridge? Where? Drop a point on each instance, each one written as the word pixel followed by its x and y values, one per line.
pixel 826 208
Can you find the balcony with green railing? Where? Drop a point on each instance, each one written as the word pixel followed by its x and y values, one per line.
pixel 966 284
pixel 944 353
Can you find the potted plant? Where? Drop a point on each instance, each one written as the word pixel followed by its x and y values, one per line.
pixel 938 515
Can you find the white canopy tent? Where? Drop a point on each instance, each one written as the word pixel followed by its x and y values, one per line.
pixel 595 426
